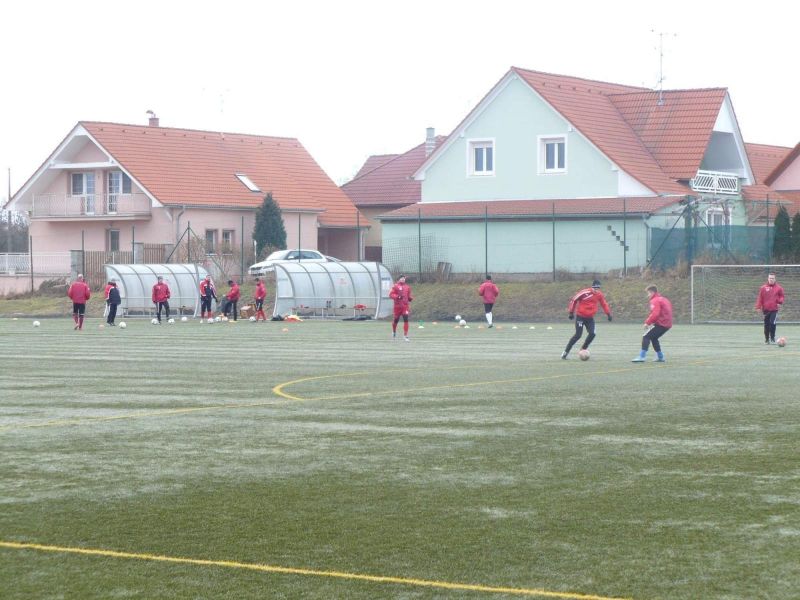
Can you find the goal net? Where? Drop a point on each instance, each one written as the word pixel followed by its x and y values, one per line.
pixel 727 293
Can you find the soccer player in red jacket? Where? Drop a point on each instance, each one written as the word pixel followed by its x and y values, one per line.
pixel 770 298
pixel 401 294
pixel 160 297
pixel 261 294
pixel 657 323
pixel 207 293
pixel 584 303
pixel 489 292
pixel 232 298
pixel 79 293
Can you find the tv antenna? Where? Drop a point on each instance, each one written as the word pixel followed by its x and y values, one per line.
pixel 661 78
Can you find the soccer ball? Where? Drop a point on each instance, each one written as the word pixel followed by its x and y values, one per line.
pixel 122 325
pixel 171 321
pixel 184 319
pixel 462 322
pixel 36 324
pixel 154 321
pixel 781 342
pixel 252 319
pixel 211 319
pixel 224 319
pixel 583 354
pixel 217 319
pixel 458 317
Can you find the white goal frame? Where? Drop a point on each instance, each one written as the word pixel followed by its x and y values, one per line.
pixel 754 317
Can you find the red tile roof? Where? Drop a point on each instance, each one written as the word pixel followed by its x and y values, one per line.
pixel 677 130
pixel 373 162
pixel 588 106
pixel 644 205
pixel 197 168
pixel 764 159
pixel 389 182
pixel 785 162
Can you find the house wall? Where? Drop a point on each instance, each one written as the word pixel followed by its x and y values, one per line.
pixel 300 226
pixel 515 119
pixel 519 246
pixel 790 178
pixel 339 243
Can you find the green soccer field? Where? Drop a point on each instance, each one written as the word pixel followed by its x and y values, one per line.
pixel 327 461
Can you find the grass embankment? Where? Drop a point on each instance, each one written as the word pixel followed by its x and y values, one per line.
pixel 519 301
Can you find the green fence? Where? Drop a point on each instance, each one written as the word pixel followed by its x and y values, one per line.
pixel 727 244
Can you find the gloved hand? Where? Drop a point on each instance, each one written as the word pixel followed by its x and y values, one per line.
pixel 571 316
pixel 609 318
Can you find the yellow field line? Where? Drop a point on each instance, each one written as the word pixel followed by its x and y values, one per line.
pixel 309 572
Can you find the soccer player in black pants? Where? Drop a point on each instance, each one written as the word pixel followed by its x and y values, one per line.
pixel 770 298
pixel 585 304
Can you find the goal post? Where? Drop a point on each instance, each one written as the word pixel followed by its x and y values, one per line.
pixel 727 293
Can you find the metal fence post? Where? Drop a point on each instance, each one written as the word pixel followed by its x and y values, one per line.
pixel 83 254
pixel 30 251
pixel 553 207
pixel 419 241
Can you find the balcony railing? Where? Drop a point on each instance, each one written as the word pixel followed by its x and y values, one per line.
pixel 715 182
pixel 90 205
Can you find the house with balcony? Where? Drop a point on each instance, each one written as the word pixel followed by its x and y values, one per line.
pixel 109 186
pixel 554 172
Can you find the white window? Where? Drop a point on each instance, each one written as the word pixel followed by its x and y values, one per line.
pixel 481 157
pixel 118 183
pixel 552 154
pixel 247 182
pixel 716 217
pixel 211 241
pixel 227 240
pixel 83 187
pixel 113 240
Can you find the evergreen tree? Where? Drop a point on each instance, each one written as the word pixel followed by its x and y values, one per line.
pixel 796 237
pixel 269 232
pixel 782 237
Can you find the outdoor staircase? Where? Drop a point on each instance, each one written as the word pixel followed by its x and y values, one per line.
pixel 618 238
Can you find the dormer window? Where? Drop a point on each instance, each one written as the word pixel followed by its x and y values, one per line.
pixel 552 154
pixel 481 157
pixel 247 182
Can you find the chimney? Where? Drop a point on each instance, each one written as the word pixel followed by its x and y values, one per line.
pixel 430 140
pixel 153 119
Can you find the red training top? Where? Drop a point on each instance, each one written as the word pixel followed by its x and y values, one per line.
pixel 261 291
pixel 584 303
pixel 79 292
pixel 108 289
pixel 489 292
pixel 770 297
pixel 160 292
pixel 401 294
pixel 660 311
pixel 233 294
pixel 207 288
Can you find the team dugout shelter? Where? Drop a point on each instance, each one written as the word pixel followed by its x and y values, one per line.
pixel 135 283
pixel 334 290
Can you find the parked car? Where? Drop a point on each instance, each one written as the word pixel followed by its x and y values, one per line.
pixel 282 256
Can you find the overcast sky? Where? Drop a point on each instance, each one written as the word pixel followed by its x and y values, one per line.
pixel 351 78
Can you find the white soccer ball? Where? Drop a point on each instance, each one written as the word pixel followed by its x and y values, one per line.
pixel 252 319
pixel 458 317
pixel 224 318
pixel 154 321
pixel 462 322
pixel 36 323
pixel 583 354
pixel 216 319
pixel 210 319
pixel 122 325
pixel 171 321
pixel 184 319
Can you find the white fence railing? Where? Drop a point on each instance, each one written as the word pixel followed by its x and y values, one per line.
pixel 715 182
pixel 44 263
pixel 90 205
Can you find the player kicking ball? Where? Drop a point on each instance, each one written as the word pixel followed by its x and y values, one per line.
pixel 584 304
pixel 657 324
